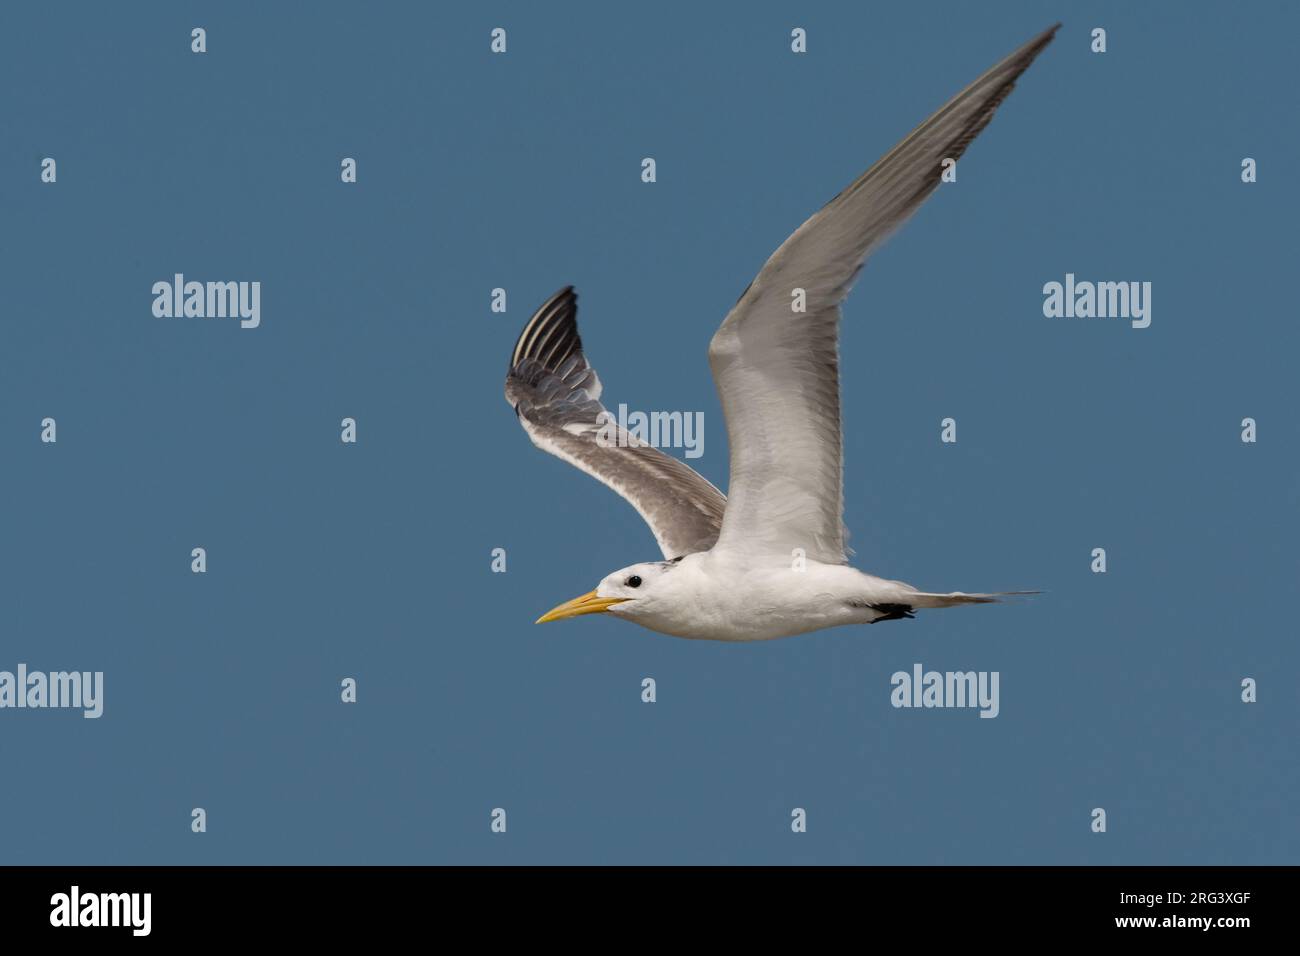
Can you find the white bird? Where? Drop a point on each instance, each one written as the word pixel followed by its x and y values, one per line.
pixel 769 561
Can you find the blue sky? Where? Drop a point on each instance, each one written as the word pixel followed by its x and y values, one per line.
pixel 1118 690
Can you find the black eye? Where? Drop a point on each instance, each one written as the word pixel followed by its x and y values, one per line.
pixel 634 581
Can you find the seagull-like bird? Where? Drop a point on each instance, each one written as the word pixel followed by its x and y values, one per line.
pixel 769 561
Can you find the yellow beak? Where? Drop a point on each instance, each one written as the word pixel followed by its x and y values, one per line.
pixel 586 604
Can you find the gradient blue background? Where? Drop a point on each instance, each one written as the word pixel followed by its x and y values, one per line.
pixel 222 690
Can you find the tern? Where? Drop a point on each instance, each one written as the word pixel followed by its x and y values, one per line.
pixel 768 560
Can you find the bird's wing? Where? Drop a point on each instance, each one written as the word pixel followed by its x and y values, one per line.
pixel 556 395
pixel 776 369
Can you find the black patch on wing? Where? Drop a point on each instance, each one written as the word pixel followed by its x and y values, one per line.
pixel 892 612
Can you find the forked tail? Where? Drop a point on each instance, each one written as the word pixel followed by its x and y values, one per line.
pixel 922 599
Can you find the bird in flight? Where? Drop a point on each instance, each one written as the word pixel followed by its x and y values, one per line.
pixel 769 560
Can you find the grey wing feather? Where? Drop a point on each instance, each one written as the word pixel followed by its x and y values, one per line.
pixel 777 371
pixel 556 394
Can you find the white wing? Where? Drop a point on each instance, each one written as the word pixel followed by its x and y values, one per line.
pixel 776 370
pixel 556 395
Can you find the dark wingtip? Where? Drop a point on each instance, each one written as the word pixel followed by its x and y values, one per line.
pixel 1046 35
pixel 1027 53
pixel 1035 46
pixel 551 334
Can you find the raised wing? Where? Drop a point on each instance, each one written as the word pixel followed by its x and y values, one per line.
pixel 777 370
pixel 556 395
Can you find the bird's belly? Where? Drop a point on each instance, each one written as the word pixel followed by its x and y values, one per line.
pixel 728 619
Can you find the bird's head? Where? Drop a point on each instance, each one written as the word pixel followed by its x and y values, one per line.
pixel 626 591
